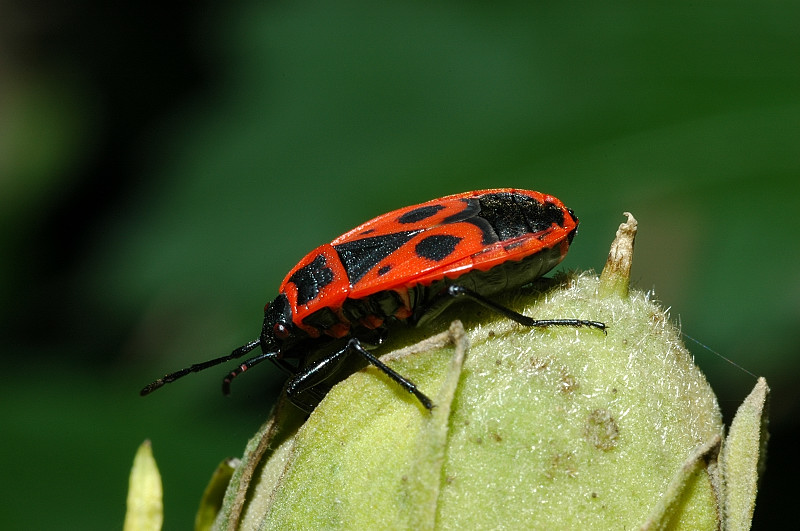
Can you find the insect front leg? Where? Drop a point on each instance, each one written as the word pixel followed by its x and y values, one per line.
pixel 307 378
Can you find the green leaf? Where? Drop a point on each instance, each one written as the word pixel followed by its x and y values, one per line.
pixel 213 496
pixel 743 457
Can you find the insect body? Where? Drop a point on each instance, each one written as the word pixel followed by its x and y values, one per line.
pixel 407 265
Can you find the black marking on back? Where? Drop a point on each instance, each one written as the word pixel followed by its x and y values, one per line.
pixel 472 214
pixel 383 270
pixel 502 213
pixel 505 216
pixel 311 278
pixel 419 213
pixel 437 247
pixel 539 216
pixel 361 256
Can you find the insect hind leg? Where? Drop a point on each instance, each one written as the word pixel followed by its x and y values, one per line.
pixel 460 291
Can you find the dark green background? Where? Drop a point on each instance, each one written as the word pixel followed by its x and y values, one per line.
pixel 163 168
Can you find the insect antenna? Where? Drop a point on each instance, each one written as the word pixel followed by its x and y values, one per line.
pixel 226 383
pixel 197 367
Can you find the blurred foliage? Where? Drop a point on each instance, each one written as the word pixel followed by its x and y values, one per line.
pixel 160 170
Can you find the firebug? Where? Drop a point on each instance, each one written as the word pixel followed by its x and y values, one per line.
pixel 404 266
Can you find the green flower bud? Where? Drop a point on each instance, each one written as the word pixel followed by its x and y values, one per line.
pixel 555 428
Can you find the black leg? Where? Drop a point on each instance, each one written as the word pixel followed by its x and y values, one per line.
pixel 313 375
pixel 355 345
pixel 460 291
pixel 307 378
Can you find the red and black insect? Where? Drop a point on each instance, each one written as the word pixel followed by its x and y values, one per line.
pixel 407 265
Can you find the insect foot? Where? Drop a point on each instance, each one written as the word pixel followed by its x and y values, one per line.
pixel 560 427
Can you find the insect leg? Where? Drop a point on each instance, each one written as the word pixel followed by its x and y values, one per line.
pixel 325 367
pixel 355 345
pixel 460 291
pixel 309 377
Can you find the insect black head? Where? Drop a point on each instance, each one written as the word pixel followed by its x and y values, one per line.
pixel 278 326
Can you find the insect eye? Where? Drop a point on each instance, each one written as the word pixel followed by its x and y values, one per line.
pixel 280 330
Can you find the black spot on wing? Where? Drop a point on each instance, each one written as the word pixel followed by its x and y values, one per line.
pixel 383 270
pixel 437 247
pixel 471 214
pixel 361 256
pixel 311 278
pixel 420 213
pixel 488 234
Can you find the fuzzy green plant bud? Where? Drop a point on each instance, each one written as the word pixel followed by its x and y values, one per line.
pixel 533 428
pixel 145 510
